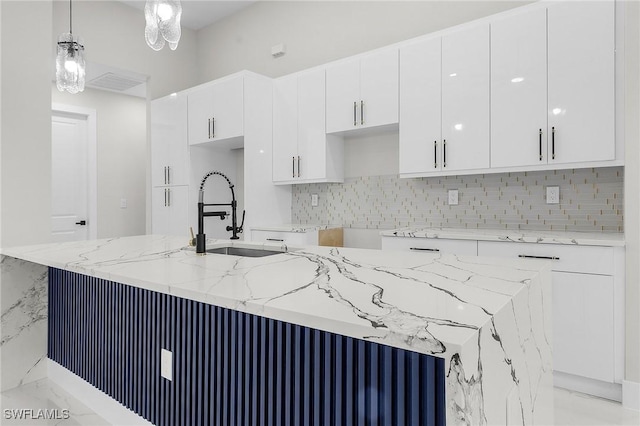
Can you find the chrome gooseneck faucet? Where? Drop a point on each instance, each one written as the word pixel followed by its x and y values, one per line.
pixel 234 228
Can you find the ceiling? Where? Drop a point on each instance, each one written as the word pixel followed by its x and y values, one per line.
pixel 198 14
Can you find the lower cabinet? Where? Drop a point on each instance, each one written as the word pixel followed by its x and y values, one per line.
pixel 308 238
pixel 431 245
pixel 588 318
pixel 583 323
pixel 169 215
pixel 587 306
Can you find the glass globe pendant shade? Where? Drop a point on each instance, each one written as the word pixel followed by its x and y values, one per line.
pixel 70 64
pixel 163 23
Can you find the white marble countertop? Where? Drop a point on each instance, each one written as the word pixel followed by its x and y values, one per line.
pixel 541 237
pixel 477 314
pixel 294 227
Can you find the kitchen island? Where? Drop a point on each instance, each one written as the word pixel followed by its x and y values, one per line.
pixel 472 333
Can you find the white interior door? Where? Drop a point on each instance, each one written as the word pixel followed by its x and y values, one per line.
pixel 69 179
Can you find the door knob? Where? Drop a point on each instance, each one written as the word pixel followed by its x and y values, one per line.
pixel 82 222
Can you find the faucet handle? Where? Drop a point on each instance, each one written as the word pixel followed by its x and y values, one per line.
pixel 240 229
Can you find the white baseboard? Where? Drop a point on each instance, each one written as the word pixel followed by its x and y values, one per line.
pixel 98 401
pixel 612 391
pixel 631 395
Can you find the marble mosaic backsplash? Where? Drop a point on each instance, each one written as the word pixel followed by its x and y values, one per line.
pixel 590 200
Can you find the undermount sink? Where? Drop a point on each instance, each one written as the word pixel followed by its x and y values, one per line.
pixel 243 251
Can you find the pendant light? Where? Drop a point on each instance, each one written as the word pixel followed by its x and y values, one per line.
pixel 70 65
pixel 163 23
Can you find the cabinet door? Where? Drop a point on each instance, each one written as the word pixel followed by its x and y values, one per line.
pixel 420 113
pixel 178 201
pixel 581 81
pixel 169 214
pixel 379 88
pixel 285 128
pixel 169 146
pixel 228 111
pixel 343 96
pixel 200 114
pixel 519 90
pixel 431 245
pixel 583 338
pixel 465 99
pixel 312 139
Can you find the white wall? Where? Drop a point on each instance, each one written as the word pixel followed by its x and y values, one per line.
pixel 121 153
pixel 316 32
pixel 632 192
pixel 25 140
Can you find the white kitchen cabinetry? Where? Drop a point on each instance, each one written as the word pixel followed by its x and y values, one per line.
pixel 170 210
pixel 169 165
pixel 588 306
pixel 572 51
pixel 169 148
pixel 216 113
pixel 444 103
pixel 431 245
pixel 362 92
pixel 302 151
pixel 519 89
pixel 581 81
pixel 308 238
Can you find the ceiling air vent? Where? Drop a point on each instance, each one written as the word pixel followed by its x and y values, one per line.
pixel 112 81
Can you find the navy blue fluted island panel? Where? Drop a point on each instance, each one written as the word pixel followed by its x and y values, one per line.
pixel 229 367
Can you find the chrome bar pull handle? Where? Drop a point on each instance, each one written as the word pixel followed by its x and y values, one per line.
pixel 275 239
pixel 213 127
pixel 435 154
pixel 424 249
pixel 553 143
pixel 355 119
pixel 168 197
pixel 165 197
pixel 209 127
pixel 165 175
pixel 298 166
pixel 169 175
pixel 362 112
pixel 293 166
pixel 444 153
pixel 540 143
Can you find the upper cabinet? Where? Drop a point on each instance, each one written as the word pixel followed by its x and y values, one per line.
pixel 302 151
pixel 216 113
pixel 444 103
pixel 569 49
pixel 169 149
pixel 362 92
pixel 581 81
pixel 519 89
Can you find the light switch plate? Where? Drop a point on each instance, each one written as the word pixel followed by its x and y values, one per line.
pixel 553 194
pixel 166 364
pixel 314 200
pixel 123 203
pixel 453 197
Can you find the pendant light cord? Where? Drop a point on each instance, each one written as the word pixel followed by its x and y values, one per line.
pixel 70 20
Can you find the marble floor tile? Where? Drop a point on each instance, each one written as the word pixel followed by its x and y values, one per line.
pixel 571 408
pixel 46 396
pixel 578 409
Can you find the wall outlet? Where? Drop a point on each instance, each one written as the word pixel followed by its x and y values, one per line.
pixel 166 364
pixel 453 197
pixel 314 200
pixel 553 194
pixel 123 203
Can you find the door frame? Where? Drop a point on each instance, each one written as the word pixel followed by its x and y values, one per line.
pixel 89 115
